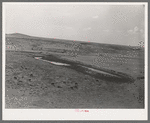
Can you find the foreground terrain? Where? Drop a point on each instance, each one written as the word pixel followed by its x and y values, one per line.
pixel 33 83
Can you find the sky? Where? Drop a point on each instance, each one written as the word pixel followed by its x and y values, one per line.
pixel 112 24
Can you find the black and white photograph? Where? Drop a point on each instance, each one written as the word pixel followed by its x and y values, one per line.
pixel 78 57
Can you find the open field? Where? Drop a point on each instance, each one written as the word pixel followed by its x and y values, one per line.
pixel 33 83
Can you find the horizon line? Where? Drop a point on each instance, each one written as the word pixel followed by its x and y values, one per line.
pixel 71 40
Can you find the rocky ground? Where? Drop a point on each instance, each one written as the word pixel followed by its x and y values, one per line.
pixel 32 83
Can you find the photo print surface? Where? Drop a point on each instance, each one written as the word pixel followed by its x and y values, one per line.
pixel 74 56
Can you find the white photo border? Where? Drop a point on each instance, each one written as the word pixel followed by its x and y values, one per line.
pixel 70 114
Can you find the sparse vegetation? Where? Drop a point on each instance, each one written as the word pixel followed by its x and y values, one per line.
pixel 43 85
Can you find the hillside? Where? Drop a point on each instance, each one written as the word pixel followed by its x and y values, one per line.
pixel 47 44
pixel 49 84
pixel 18 35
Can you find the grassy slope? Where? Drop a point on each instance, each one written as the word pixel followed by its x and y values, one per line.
pixel 44 85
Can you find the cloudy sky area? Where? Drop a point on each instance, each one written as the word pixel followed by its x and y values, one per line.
pixel 115 24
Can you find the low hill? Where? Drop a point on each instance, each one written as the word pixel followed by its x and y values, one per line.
pixel 26 42
pixel 19 35
pixel 47 85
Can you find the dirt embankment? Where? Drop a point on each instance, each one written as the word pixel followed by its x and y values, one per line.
pixel 81 67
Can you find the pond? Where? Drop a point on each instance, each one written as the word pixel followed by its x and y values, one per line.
pixel 99 71
pixel 52 62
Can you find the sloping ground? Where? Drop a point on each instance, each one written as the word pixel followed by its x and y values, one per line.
pixel 81 48
pixel 36 84
pixel 131 66
pixel 18 35
pixel 83 67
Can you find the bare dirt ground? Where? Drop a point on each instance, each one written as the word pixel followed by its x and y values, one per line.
pixel 32 83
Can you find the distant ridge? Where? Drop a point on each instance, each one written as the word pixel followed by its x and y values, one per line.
pixel 20 35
